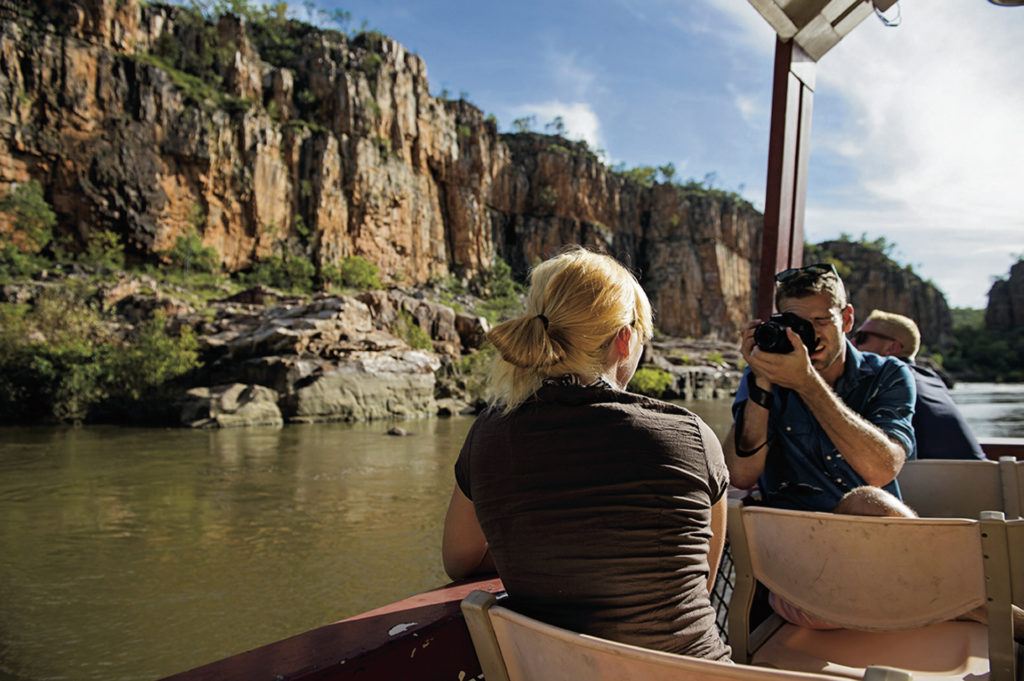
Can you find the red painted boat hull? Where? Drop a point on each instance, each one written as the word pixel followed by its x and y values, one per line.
pixel 422 637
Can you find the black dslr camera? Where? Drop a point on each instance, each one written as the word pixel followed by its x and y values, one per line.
pixel 770 336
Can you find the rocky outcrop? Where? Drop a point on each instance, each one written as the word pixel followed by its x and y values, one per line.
pixel 330 359
pixel 701 369
pixel 273 137
pixel 229 406
pixel 874 281
pixel 1006 301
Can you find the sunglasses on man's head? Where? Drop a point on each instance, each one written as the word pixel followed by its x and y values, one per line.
pixel 820 268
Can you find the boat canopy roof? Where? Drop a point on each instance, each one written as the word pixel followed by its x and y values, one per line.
pixel 817 25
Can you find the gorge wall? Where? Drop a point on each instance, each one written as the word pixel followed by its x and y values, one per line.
pixel 1006 300
pixel 874 281
pixel 276 137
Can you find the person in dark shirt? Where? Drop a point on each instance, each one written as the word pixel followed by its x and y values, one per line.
pixel 602 510
pixel 940 428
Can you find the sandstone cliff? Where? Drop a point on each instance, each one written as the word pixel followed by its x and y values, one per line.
pixel 874 281
pixel 1006 301
pixel 278 137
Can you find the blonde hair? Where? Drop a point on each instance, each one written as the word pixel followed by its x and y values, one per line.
pixel 577 302
pixel 903 329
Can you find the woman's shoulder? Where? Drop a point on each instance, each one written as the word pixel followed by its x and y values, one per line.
pixel 650 404
pixel 607 398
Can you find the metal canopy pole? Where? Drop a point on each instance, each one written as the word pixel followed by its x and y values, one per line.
pixel 782 240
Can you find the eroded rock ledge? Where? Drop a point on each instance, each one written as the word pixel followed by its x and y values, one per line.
pixel 273 359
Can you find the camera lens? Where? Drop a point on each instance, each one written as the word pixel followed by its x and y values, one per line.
pixel 770 336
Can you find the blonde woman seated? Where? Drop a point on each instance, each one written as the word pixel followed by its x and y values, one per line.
pixel 603 511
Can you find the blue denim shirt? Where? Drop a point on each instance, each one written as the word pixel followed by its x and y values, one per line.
pixel 804 470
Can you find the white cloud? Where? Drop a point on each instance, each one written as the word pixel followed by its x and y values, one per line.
pixel 935 138
pixel 570 76
pixel 581 122
pixel 752 30
pixel 930 151
pixel 751 107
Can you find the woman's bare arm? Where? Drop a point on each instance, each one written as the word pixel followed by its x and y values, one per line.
pixel 464 547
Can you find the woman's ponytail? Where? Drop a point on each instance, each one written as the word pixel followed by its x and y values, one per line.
pixel 527 342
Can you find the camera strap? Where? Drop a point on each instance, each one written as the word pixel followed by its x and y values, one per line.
pixel 740 452
pixel 759 396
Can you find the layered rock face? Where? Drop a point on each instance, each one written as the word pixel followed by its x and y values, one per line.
pixel 874 281
pixel 329 147
pixel 1006 301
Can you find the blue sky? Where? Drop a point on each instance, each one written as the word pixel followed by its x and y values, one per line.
pixel 916 133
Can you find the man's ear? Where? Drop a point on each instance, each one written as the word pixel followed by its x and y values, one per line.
pixel 847 314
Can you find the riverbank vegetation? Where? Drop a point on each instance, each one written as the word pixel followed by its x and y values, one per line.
pixel 59 358
pixel 70 354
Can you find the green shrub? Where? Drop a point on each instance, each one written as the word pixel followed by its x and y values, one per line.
pixel 189 253
pixel 642 175
pixel 371 64
pixel 547 199
pixel 153 359
pixel 684 357
pixel 355 272
pixel 987 354
pixel 58 361
pixel 289 273
pixel 103 251
pixel 412 333
pixel 53 363
pixel 499 291
pixel 472 371
pixel 33 217
pixel 651 382
pixel 17 264
pixel 497 282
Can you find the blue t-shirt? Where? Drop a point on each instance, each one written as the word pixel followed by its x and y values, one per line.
pixel 804 470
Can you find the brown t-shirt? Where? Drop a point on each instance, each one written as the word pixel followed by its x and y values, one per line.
pixel 596 504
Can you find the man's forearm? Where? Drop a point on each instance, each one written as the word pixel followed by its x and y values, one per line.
pixel 870 452
pixel 752 441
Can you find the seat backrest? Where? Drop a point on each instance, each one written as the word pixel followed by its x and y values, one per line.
pixel 529 650
pixel 1015 535
pixel 1003 546
pixel 944 488
pixel 878 573
pixel 868 573
pixel 1012 474
pixel 1015 548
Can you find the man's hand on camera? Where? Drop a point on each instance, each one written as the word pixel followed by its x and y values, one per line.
pixel 789 370
pixel 747 339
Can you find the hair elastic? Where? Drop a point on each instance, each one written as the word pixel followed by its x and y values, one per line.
pixel 543 320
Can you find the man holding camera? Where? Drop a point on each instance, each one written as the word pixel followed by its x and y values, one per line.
pixel 821 426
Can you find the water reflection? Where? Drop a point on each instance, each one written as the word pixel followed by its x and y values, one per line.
pixel 133 554
pixel 992 409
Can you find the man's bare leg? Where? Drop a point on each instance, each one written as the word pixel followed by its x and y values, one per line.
pixel 873 501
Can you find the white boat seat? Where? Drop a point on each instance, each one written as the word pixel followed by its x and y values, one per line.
pixel 957 488
pixel 513 647
pixel 1013 487
pixel 893 583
